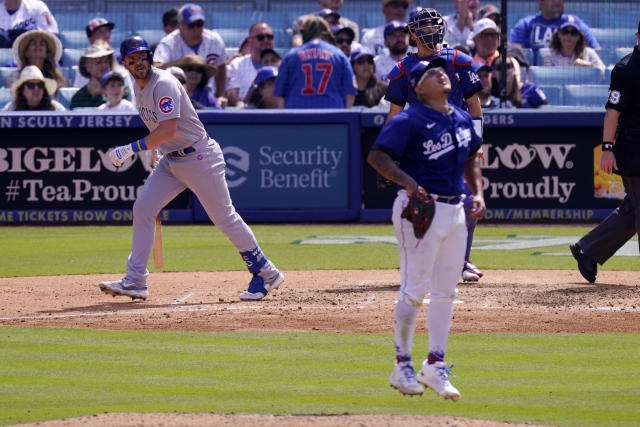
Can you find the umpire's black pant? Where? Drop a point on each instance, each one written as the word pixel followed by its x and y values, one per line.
pixel 617 228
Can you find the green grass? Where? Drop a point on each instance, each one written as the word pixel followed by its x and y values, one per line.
pixel 561 379
pixel 36 251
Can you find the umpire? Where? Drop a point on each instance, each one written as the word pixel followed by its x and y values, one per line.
pixel 622 124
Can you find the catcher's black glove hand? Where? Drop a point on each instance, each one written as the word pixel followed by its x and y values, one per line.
pixel 420 211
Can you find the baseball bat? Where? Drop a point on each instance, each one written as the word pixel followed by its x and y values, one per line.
pixel 158 257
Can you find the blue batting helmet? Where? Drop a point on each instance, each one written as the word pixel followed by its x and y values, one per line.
pixel 428 26
pixel 134 44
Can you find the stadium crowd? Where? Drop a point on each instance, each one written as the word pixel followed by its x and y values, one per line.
pixel 260 75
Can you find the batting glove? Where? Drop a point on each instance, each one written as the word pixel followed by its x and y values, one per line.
pixel 119 154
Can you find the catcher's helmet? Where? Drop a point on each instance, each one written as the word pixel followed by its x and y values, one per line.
pixel 134 44
pixel 428 26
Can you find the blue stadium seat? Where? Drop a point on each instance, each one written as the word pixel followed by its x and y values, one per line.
pixel 5 97
pixel 6 56
pixel 151 36
pixel 586 95
pixel 243 20
pixel 607 73
pixel 65 94
pixel 145 20
pixel 232 36
pixel 621 52
pixel 68 21
pixel 554 94
pixel 615 37
pixel 373 19
pixel 74 39
pixel 564 75
pixel 70 57
pixel 4 72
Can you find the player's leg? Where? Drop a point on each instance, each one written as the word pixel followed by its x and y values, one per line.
pixel 470 273
pixel 158 190
pixel 442 292
pixel 206 178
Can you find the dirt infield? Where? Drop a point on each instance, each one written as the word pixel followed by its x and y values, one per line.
pixel 326 301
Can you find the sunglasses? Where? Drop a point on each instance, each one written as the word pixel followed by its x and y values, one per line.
pixel 261 37
pixel 192 68
pixel 364 61
pixel 197 24
pixel 33 85
pixel 343 40
pixel 568 32
pixel 397 4
pixel 172 24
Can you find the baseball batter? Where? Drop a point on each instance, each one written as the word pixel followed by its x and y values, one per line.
pixel 427 29
pixel 436 145
pixel 191 159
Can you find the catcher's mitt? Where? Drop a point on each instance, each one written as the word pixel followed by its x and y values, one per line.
pixel 420 211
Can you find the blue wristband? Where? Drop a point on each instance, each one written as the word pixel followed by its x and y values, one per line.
pixel 139 145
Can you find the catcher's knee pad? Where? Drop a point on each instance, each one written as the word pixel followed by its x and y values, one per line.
pixel 443 296
pixel 410 300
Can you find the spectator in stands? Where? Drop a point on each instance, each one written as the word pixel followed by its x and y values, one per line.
pixel 315 74
pixel 243 49
pixel 569 47
pixel 113 89
pixel 535 31
pixel 396 40
pixel 270 57
pixel 335 5
pixel 32 91
pixel 197 74
pixel 97 29
pixel 521 95
pixel 393 10
pixel 261 93
pixel 98 59
pixel 487 100
pixel 39 48
pixel 192 38
pixel 169 23
pixel 460 24
pixel 19 16
pixel 179 74
pixel 331 16
pixel 242 71
pixel 371 91
pixel 490 11
pixel 344 38
pixel 486 39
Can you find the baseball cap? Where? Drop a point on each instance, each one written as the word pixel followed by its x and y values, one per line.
pixel 488 10
pixel 96 23
pixel 189 13
pixel 265 73
pixel 418 70
pixel 111 75
pixel 177 71
pixel 569 24
pixel 484 24
pixel 337 28
pixel 323 13
pixel 386 2
pixel 360 52
pixel 268 51
pixel 391 26
pixel 517 53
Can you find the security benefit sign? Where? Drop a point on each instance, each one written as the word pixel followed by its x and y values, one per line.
pixel 65 175
pixel 541 173
pixel 293 166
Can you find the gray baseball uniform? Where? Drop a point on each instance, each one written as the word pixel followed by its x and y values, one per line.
pixel 191 160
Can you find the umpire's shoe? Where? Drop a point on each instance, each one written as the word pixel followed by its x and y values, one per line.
pixel 124 288
pixel 261 284
pixel 587 265
pixel 403 378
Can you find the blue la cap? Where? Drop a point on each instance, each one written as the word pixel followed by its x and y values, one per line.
pixel 325 12
pixel 265 73
pixel 394 25
pixel 421 67
pixel 360 52
pixel 111 75
pixel 189 13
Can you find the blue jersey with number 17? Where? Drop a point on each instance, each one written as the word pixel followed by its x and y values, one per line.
pixel 464 81
pixel 315 75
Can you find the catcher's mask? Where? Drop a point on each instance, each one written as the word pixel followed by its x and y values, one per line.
pixel 428 26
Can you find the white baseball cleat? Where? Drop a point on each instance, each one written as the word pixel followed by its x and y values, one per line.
pixel 403 378
pixel 261 285
pixel 127 289
pixel 436 377
pixel 468 276
pixel 470 273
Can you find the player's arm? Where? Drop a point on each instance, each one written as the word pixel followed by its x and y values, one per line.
pixel 233 97
pixel 473 178
pixel 393 110
pixel 475 108
pixel 608 160
pixel 165 131
pixel 385 166
pixel 348 100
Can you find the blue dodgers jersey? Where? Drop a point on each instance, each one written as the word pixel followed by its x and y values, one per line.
pixel 315 75
pixel 464 81
pixel 535 31
pixel 432 147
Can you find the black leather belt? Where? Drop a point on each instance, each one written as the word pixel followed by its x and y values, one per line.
pixel 452 200
pixel 181 153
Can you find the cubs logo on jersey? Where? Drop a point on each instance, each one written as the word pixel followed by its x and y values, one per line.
pixel 166 104
pixel 212 59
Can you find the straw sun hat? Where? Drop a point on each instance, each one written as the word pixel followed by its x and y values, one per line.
pixel 54 46
pixel 29 73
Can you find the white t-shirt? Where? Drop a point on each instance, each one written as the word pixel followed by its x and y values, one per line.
pixel 124 105
pixel 384 64
pixel 11 106
pixel 454 36
pixel 172 47
pixel 374 40
pixel 31 15
pixel 240 74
